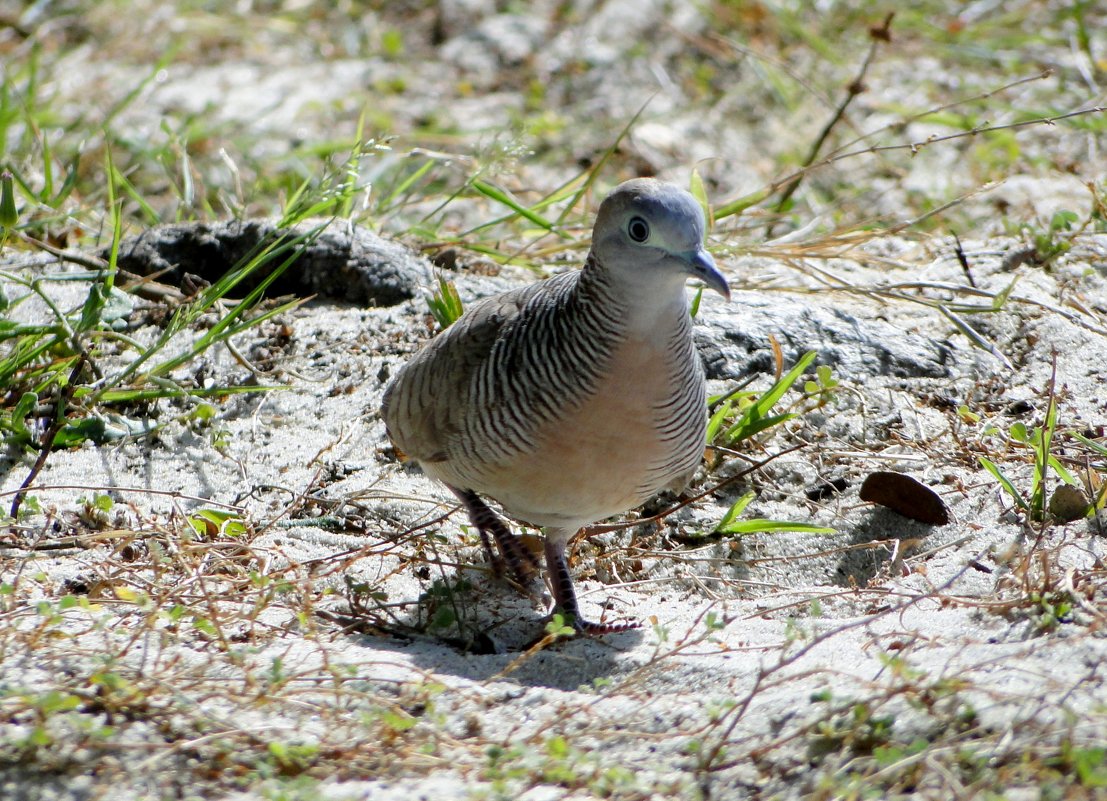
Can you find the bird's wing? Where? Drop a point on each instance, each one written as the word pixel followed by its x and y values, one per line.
pixel 423 405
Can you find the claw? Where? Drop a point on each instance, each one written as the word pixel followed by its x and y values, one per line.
pixel 590 629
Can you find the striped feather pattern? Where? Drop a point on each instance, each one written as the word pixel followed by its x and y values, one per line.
pixel 477 397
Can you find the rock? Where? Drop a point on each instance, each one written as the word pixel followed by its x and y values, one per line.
pixel 344 262
pixel 1068 503
pixel 497 43
pixel 733 340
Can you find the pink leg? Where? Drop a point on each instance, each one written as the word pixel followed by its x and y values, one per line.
pixel 520 561
pixel 565 596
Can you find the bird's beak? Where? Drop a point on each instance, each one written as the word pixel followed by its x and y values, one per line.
pixel 702 266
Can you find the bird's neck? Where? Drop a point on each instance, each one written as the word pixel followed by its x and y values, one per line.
pixel 644 305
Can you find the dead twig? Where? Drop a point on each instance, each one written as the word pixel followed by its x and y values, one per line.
pixel 65 395
pixel 878 35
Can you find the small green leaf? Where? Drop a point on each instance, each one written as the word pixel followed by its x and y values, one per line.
pixel 213 522
pixel 1004 482
pixel 203 412
pixel 392 43
pixel 203 625
pixel 967 414
pixel 9 216
pixel 557 747
pixel 396 720
pixel 54 701
pixel 559 627
pixel 1063 220
pixel 67 602
pixel 444 618
pixel 825 375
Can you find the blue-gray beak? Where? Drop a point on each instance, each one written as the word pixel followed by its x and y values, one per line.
pixel 702 266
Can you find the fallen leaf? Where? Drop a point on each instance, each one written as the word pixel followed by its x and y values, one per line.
pixel 905 495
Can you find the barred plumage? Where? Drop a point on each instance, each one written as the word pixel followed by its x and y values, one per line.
pixel 574 399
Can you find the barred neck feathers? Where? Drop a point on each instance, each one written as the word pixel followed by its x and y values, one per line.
pixel 651 305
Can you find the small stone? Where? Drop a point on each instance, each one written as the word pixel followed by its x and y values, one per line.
pixel 1068 503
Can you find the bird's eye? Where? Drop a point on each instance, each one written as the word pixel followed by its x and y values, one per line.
pixel 638 229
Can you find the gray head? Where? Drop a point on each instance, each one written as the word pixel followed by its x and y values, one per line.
pixel 650 230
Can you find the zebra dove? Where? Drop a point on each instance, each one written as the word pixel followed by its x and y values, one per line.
pixel 572 399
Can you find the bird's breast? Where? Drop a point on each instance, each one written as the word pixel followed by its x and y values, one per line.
pixel 640 428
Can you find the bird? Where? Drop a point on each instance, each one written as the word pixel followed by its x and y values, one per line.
pixel 573 399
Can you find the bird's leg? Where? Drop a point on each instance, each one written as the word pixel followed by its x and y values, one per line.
pixel 520 561
pixel 565 597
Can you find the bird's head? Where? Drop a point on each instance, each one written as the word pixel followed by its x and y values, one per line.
pixel 647 229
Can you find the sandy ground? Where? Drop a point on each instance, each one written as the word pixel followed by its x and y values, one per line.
pixel 351 643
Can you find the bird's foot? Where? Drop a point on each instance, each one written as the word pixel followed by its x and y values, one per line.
pixel 590 629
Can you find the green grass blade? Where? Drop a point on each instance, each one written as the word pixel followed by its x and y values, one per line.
pixel 597 166
pixel 227 325
pixel 147 394
pixel 761 525
pixel 1091 443
pixel 1063 472
pixel 694 309
pixel 756 417
pixel 735 509
pixel 445 305
pixel 556 196
pixel 974 336
pixel 1000 300
pixel 750 425
pixel 739 205
pixel 406 184
pixel 262 254
pixel 500 196
pixel 716 421
pixel 699 192
pixel 1004 482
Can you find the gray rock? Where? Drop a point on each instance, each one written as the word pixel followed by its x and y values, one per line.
pixel 733 340
pixel 344 262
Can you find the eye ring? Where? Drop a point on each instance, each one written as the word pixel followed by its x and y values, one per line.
pixel 638 229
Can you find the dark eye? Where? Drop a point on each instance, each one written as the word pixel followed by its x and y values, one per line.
pixel 638 229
